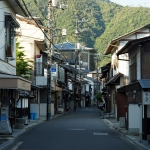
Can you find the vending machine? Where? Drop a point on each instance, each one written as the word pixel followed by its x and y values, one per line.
pixel 5 127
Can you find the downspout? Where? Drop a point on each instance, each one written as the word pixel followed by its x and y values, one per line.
pixel 140 46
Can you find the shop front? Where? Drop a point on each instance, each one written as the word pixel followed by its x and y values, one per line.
pixel 11 87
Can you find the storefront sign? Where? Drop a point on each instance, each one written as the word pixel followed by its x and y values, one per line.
pixel 24 85
pixel 39 69
pixel 146 98
pixel 53 71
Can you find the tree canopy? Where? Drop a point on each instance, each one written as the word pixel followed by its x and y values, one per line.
pixel 23 65
pixel 106 20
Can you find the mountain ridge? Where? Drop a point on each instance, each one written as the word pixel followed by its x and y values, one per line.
pixel 106 20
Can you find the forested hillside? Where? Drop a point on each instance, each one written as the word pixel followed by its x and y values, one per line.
pixel 106 20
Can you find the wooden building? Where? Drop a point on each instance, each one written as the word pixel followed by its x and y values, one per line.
pixel 136 95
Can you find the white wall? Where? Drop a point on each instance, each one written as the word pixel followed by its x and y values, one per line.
pixel 7 9
pixel 43 109
pixel 41 80
pixel 7 68
pixel 28 33
pixel 34 108
pixel 134 115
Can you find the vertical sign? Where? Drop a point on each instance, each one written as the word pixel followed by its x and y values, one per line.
pixel 53 71
pixel 146 98
pixel 39 64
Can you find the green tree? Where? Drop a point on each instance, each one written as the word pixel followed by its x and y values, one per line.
pixel 99 97
pixel 23 65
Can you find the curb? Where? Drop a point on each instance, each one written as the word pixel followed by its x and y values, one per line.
pixel 19 133
pixel 138 145
pixel 6 144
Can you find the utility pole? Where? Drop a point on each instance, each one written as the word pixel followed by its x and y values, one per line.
pixel 80 78
pixel 77 51
pixel 76 61
pixel 52 4
pixel 49 59
pixel 97 89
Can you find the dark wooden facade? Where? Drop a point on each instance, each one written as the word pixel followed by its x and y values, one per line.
pixel 145 60
pixel 139 48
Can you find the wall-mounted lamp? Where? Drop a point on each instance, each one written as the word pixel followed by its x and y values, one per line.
pixel 134 94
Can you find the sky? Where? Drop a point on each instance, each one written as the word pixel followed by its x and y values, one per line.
pixel 144 3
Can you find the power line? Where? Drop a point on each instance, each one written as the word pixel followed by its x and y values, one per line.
pixel 44 32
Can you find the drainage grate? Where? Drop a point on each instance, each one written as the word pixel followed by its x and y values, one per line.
pixel 100 133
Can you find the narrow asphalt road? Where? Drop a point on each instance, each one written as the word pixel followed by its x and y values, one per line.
pixel 80 130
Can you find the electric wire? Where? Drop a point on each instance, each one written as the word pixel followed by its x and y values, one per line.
pixel 44 32
pixel 36 23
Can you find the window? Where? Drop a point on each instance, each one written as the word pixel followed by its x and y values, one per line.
pixel 133 68
pixel 10 25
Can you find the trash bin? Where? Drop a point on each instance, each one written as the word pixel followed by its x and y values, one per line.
pixel 31 116
pixel 34 116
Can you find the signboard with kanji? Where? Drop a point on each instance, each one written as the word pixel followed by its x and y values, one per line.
pixel 146 98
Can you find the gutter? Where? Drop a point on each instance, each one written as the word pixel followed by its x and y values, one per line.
pixel 23 10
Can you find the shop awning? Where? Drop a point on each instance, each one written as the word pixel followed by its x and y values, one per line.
pixel 130 87
pixel 25 94
pixel 144 83
pixel 35 87
pixel 114 79
pixel 139 85
pixel 14 82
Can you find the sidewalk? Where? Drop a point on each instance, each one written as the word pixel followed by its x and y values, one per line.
pixel 113 123
pixel 6 140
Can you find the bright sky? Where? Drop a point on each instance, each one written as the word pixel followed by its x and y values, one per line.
pixel 144 3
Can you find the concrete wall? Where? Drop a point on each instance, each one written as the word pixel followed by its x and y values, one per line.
pixel 34 108
pixel 43 109
pixel 133 118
